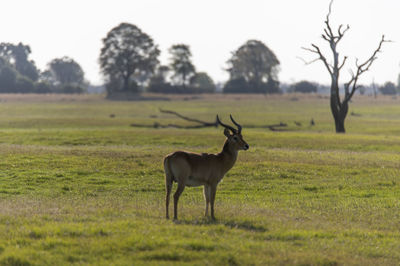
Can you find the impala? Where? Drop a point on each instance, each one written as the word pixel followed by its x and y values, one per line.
pixel 193 169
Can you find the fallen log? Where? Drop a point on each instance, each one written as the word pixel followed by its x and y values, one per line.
pixel 203 124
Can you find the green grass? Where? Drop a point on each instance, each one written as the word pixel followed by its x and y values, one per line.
pixel 80 187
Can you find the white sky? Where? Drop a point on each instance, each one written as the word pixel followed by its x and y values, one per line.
pixel 212 28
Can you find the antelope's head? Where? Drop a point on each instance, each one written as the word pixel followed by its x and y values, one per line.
pixel 234 136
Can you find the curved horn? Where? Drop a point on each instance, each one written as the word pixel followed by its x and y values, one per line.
pixel 226 126
pixel 238 126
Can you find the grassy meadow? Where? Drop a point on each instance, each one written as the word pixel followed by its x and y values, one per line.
pixel 80 186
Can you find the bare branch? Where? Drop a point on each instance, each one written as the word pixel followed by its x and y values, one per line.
pixel 357 62
pixel 340 27
pixel 203 123
pixel 346 89
pixel 364 67
pixel 325 38
pixel 344 61
pixel 322 57
pixel 351 72
pixel 341 33
pixel 344 31
pixel 309 49
pixel 329 35
pixel 307 62
pixel 328 31
pixel 330 10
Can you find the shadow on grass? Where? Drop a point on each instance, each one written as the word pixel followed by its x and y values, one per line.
pixel 165 257
pixel 14 261
pixel 243 225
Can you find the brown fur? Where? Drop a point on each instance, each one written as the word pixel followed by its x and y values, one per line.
pixel 193 169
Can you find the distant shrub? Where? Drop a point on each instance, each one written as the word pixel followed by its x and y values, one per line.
pixel 303 87
pixel 24 85
pixel 272 87
pixel 389 88
pixel 161 87
pixel 71 89
pixel 117 86
pixel 43 87
pixel 240 85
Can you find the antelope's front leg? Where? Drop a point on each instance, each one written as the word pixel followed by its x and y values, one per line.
pixel 206 192
pixel 213 191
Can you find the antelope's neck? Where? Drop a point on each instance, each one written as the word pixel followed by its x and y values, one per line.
pixel 228 157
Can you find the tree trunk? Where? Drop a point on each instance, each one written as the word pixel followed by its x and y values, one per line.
pixel 339 124
pixel 339 110
pixel 339 113
pixel 126 83
pixel 184 82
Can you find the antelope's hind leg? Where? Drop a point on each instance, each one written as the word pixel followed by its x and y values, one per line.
pixel 179 190
pixel 168 188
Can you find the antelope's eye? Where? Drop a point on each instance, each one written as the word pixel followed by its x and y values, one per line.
pixel 235 138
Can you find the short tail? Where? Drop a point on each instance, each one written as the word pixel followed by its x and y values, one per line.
pixel 168 172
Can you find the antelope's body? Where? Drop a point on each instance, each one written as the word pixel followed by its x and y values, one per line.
pixel 193 169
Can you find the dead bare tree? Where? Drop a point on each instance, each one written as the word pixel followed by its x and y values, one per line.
pixel 339 106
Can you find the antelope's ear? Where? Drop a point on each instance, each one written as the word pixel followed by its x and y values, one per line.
pixel 227 133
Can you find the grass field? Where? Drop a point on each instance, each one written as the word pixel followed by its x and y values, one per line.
pixel 78 186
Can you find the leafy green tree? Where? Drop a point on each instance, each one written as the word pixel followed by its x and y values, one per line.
pixel 67 71
pixel 256 64
pixel 202 83
pixel 181 65
pixel 47 77
pixel 127 53
pixel 17 56
pixel 13 82
pixel 161 74
pixel 8 78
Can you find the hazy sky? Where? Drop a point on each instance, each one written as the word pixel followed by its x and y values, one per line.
pixel 212 28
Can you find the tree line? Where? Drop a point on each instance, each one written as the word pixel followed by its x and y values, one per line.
pixel 129 64
pixel 19 74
